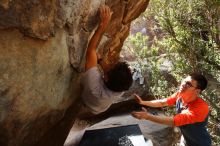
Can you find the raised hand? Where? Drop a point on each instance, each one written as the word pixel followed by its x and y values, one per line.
pixel 105 16
pixel 138 99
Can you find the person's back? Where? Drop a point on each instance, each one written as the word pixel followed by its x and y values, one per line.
pixel 99 92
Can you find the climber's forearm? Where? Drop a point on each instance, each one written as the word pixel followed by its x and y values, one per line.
pixel 91 56
pixel 92 46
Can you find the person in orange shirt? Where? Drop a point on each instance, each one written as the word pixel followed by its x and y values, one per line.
pixel 191 111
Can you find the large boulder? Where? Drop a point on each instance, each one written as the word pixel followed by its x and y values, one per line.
pixel 42 49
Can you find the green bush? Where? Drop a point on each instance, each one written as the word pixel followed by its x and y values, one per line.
pixel 187 34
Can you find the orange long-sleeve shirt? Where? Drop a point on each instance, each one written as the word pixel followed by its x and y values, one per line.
pixel 196 111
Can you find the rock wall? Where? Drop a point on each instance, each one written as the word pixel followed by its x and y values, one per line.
pixel 42 49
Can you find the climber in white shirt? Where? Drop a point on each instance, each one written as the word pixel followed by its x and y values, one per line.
pixel 101 90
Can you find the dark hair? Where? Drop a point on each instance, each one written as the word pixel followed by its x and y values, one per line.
pixel 119 78
pixel 201 80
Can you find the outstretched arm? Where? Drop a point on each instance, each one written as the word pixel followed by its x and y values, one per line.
pixel 91 56
pixel 158 119
pixel 152 103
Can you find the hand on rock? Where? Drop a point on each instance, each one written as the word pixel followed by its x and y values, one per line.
pixel 105 16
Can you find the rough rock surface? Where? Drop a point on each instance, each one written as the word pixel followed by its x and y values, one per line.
pixel 42 47
pixel 35 86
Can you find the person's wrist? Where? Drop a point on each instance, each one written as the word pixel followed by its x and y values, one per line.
pixel 147 116
pixel 102 27
pixel 142 102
